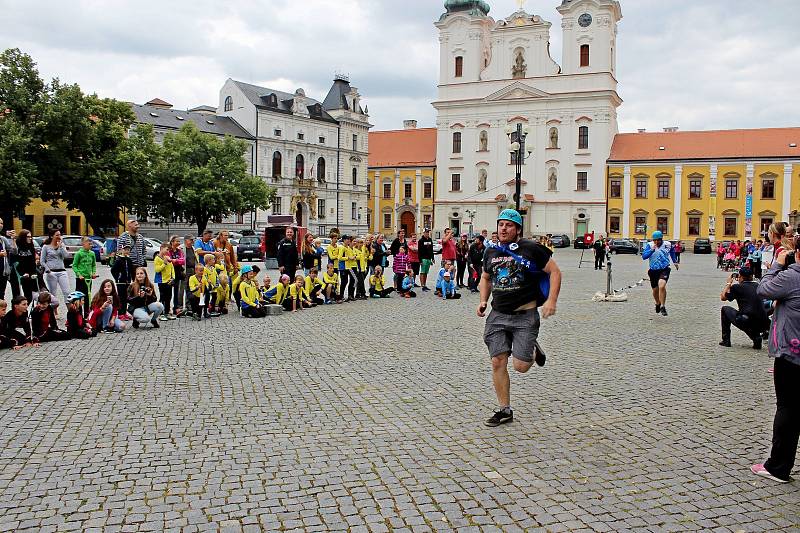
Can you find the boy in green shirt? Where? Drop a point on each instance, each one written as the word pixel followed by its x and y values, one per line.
pixel 85 268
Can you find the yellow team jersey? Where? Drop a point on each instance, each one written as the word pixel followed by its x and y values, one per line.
pixel 297 292
pixel 349 256
pixel 211 276
pixel 331 279
pixel 334 251
pixel 311 282
pixel 376 282
pixel 197 285
pixel 280 296
pixel 165 271
pixel 364 255
pixel 249 292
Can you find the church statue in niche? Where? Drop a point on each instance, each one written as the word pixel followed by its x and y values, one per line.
pixel 552 181
pixel 519 69
pixel 483 139
pixel 553 137
pixel 482 180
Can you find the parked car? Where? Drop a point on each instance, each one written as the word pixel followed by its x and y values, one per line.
pixel 437 247
pixel 702 246
pixel 560 241
pixel 234 238
pixel 73 243
pixel 249 249
pixel 579 244
pixel 324 242
pixel 152 247
pixel 623 246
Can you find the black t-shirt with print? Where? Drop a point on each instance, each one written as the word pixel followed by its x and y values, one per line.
pixel 425 248
pixel 513 285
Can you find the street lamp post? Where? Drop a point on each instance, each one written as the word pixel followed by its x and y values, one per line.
pixel 517 148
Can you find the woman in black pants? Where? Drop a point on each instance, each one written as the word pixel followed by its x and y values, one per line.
pixel 462 249
pixel 782 284
pixel 26 264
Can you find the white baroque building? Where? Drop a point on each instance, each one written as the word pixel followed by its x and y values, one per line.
pixel 314 153
pixel 497 74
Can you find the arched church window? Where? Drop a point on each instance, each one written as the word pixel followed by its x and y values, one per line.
pixel 321 169
pixel 277 163
pixel 300 166
pixel 228 104
pixel 457 142
pixel 459 66
pixel 584 55
pixel 355 176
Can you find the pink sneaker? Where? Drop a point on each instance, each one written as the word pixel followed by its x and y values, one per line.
pixel 759 470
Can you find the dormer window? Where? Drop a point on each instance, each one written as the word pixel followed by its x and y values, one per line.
pixel 228 104
pixel 272 100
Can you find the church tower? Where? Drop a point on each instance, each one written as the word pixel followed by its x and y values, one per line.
pixel 590 35
pixel 464 43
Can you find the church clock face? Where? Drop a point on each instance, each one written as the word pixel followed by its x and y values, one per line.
pixel 585 20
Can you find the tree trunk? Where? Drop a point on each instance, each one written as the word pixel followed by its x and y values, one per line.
pixel 202 223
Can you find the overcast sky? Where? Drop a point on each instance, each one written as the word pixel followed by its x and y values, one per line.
pixel 707 64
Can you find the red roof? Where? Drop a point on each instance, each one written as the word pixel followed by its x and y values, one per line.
pixel 719 144
pixel 158 102
pixel 402 148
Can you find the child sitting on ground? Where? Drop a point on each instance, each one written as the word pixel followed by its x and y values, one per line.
pixel 77 326
pixel 43 321
pixel 331 280
pixel 407 286
pixel 5 340
pixel 376 288
pixel 298 297
pixel 250 299
pixel 448 267
pixel 449 290
pixel 315 287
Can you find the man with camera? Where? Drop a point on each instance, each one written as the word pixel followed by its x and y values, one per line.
pixel 751 316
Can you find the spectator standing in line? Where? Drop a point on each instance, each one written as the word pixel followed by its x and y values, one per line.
pixel 204 246
pixel 54 254
pixel 425 257
pixel 132 238
pixel 782 284
pixel 190 260
pixel 398 242
pixel 123 271
pixel 448 247
pixel 178 288
pixel 475 256
pixel 413 256
pixel 379 253
pixel 7 248
pixel 287 254
pixel 26 265
pixel 462 250
pixel 84 265
pixel 599 253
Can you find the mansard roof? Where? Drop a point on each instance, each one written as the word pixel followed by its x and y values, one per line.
pixel 259 97
pixel 173 119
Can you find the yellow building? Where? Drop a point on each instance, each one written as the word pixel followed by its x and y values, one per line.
pixel 41 217
pixel 401 179
pixel 722 185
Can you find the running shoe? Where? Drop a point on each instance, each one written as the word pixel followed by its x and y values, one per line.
pixel 172 317
pixel 163 318
pixel 760 470
pixel 212 314
pixel 663 311
pixel 658 308
pixel 500 417
pixel 726 344
pixel 425 289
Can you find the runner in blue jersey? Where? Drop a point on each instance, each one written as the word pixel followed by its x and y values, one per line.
pixel 660 254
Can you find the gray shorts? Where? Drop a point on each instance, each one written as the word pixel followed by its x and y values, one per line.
pixel 512 334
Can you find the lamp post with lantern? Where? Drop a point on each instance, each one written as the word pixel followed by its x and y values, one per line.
pixel 518 151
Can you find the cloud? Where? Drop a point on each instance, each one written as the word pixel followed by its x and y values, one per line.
pixel 698 65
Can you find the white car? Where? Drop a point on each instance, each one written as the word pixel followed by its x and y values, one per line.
pixel 151 248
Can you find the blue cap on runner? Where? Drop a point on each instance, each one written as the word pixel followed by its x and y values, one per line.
pixel 657 235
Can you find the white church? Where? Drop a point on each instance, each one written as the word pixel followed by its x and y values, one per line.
pixel 497 74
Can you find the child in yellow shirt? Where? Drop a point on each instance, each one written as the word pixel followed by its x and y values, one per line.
pixel 331 280
pixel 376 285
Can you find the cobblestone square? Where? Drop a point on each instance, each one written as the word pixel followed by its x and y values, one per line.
pixel 369 417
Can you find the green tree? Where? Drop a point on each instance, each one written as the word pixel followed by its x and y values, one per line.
pixel 202 177
pixel 22 93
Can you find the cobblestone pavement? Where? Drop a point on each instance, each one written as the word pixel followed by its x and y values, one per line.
pixel 368 416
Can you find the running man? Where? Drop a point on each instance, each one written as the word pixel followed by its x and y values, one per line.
pixel 515 272
pixel 661 254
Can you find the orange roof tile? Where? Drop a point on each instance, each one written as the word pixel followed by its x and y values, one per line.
pixel 402 148
pixel 719 144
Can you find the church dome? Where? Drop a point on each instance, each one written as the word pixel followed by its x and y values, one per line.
pixel 473 6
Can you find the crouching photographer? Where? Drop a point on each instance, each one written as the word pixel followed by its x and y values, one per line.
pixel 751 317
